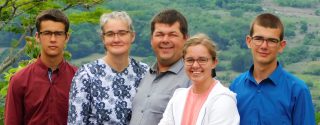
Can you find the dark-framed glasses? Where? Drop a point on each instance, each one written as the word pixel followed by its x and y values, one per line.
pixel 200 60
pixel 111 34
pixel 57 34
pixel 271 42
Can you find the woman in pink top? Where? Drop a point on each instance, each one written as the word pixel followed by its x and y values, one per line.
pixel 207 101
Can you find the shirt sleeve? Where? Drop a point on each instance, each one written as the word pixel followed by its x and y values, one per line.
pixel 223 111
pixel 79 98
pixel 303 111
pixel 14 107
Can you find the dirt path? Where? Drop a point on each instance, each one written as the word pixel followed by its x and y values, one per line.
pixel 290 11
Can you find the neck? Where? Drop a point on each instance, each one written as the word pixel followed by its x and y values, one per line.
pixel 200 88
pixel 164 66
pixel 116 62
pixel 262 71
pixel 51 62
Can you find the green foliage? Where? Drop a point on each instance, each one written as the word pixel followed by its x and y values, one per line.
pixel 304 26
pixel 293 55
pixel 290 29
pixel 246 5
pixel 88 17
pixel 17 17
pixel 315 70
pixel 236 13
pixel 318 117
pixel 241 62
pixel 149 60
pixel 298 3
pixel 317 12
pixel 312 38
pixel 32 50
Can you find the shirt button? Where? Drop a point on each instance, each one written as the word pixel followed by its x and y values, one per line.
pixel 148 96
pixel 142 111
pixel 258 91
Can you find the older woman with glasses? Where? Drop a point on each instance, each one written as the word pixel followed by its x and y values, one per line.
pixel 102 91
pixel 206 101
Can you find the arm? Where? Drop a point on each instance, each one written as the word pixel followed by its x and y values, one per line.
pixel 14 107
pixel 223 111
pixel 79 98
pixel 303 110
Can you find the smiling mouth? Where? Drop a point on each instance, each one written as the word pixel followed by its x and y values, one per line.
pixel 263 54
pixel 166 47
pixel 196 72
pixel 53 47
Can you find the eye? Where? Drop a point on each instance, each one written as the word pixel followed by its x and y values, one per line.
pixel 273 40
pixel 173 35
pixel 123 33
pixel 158 34
pixel 203 60
pixel 189 60
pixel 258 38
pixel 59 33
pixel 109 34
pixel 47 33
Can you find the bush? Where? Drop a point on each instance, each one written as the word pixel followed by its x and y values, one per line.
pixel 317 12
pixel 318 117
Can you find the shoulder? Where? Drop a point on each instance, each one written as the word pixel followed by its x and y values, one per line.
pixel 239 79
pixel 19 79
pixel 138 64
pixel 180 93
pixel 73 67
pixel 222 91
pixel 296 83
pixel 221 97
pixel 88 68
pixel 23 73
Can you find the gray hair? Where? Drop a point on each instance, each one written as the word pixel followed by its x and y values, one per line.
pixel 119 15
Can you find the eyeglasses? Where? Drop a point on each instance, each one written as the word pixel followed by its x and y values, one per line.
pixel 200 60
pixel 57 34
pixel 121 33
pixel 271 42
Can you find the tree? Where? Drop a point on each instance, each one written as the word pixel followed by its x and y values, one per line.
pixel 17 16
pixel 304 26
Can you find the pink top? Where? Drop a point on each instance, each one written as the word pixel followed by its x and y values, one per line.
pixel 193 106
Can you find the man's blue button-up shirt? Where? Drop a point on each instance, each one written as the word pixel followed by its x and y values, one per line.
pixel 280 99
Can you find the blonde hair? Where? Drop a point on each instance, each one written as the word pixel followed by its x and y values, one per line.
pixel 201 39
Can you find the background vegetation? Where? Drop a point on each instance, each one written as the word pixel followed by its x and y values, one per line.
pixel 226 21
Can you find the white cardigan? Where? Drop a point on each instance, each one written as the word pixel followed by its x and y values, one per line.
pixel 220 108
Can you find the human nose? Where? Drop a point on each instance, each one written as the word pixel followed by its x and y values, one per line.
pixel 195 63
pixel 264 43
pixel 165 38
pixel 52 37
pixel 116 37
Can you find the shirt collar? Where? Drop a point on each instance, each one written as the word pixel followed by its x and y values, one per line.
pixel 44 69
pixel 274 76
pixel 175 68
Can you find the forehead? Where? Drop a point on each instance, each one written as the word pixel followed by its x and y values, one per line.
pixel 266 31
pixel 197 50
pixel 166 28
pixel 115 25
pixel 49 25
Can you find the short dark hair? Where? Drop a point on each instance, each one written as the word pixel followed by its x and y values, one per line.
pixel 54 15
pixel 268 20
pixel 170 16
